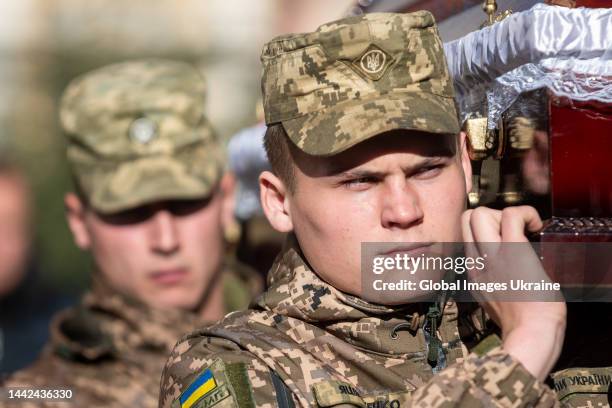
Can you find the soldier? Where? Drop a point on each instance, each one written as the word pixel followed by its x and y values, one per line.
pixel 151 204
pixel 365 145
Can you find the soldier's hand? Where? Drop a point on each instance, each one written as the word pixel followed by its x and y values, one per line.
pixel 532 331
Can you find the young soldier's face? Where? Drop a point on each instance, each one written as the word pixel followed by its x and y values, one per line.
pixel 402 186
pixel 165 254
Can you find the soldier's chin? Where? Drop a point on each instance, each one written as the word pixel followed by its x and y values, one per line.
pixel 174 298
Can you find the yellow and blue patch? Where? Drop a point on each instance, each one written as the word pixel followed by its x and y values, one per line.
pixel 202 385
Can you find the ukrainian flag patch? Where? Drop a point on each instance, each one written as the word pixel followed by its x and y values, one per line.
pixel 202 385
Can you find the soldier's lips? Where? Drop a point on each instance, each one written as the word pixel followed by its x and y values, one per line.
pixel 408 249
pixel 169 276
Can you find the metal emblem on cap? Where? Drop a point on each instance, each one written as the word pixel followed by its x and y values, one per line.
pixel 143 130
pixel 373 62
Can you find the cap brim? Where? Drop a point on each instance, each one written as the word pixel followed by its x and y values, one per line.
pixel 152 179
pixel 331 131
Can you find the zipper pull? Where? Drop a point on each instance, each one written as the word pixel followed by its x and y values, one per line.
pixel 435 345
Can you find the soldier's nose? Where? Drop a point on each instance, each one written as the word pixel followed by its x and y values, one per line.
pixel 164 234
pixel 401 207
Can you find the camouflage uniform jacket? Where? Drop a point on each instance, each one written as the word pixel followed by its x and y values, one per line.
pixel 307 344
pixel 109 350
pixel 584 387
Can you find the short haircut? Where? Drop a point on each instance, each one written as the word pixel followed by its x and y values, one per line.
pixel 79 192
pixel 278 150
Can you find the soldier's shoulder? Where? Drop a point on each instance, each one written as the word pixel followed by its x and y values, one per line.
pixel 48 372
pixel 210 364
pixel 231 332
pixel 103 382
pixel 222 341
pixel 46 368
pixel 224 377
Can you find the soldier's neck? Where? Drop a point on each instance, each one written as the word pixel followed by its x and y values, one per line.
pixel 213 307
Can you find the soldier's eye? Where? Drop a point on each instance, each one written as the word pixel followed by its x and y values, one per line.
pixel 181 208
pixel 429 171
pixel 129 217
pixel 359 182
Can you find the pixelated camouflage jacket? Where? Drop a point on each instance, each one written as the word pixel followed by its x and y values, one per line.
pixel 305 343
pixel 584 387
pixel 110 350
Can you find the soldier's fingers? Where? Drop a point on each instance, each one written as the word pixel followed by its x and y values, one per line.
pixel 466 229
pixel 485 225
pixel 515 220
pixel 468 237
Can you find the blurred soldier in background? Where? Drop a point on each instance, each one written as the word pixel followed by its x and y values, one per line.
pixel 259 242
pixel 365 145
pixel 25 306
pixel 151 205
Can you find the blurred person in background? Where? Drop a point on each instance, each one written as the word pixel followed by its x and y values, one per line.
pixel 15 226
pixel 259 242
pixel 26 305
pixel 152 204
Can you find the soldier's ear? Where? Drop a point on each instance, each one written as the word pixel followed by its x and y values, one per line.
pixel 465 161
pixel 75 214
pixel 274 201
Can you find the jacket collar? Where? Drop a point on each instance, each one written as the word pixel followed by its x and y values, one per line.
pixel 107 324
pixel 296 291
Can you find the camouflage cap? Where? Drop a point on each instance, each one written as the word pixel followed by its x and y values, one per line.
pixel 358 77
pixel 137 134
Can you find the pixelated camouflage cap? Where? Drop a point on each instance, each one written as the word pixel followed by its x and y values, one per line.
pixel 358 77
pixel 137 134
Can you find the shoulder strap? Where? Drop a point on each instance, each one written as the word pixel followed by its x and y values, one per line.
pixel 283 394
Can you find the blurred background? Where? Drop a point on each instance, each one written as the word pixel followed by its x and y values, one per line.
pixel 44 44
